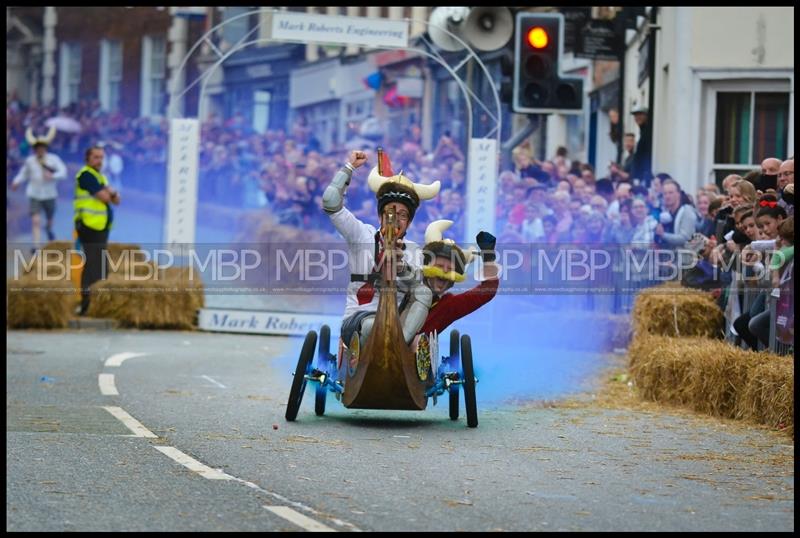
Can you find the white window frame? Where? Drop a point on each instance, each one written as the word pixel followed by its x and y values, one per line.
pixel 148 77
pixel 707 83
pixel 108 78
pixel 69 82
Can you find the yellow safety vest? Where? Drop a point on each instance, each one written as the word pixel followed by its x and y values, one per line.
pixel 92 212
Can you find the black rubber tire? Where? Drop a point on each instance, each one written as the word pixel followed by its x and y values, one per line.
pixel 324 344
pixel 470 402
pixel 299 381
pixel 319 400
pixel 455 361
pixel 323 363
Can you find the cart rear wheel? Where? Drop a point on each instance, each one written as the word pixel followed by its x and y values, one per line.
pixel 470 402
pixel 299 381
pixel 456 365
pixel 324 344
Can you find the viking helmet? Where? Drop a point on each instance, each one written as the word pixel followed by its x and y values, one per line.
pixel 42 140
pixel 435 246
pixel 399 188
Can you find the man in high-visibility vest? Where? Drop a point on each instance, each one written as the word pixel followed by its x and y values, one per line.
pixel 93 218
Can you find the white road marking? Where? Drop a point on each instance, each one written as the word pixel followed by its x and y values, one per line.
pixel 133 425
pixel 192 464
pixel 220 385
pixel 118 358
pixel 107 387
pixel 299 519
pixel 296 504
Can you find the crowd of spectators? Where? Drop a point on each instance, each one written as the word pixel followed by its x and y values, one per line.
pixel 558 201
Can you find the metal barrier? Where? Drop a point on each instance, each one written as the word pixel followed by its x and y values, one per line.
pixel 775 344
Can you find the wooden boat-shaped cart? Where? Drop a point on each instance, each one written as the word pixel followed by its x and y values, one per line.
pixel 385 373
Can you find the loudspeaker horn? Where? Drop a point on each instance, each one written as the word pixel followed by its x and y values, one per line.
pixel 488 28
pixel 452 19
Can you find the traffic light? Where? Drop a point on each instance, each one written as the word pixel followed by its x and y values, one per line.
pixel 538 84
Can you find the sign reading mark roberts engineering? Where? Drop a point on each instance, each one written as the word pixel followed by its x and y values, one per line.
pixel 308 27
pixel 261 322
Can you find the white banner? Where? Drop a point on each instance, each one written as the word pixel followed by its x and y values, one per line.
pixel 316 28
pixel 181 206
pixel 481 188
pixel 261 322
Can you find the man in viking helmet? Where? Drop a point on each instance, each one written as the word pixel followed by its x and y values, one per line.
pixel 445 264
pixel 41 170
pixel 366 248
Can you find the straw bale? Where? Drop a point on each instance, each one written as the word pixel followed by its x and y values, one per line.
pixel 672 310
pixel 714 377
pixel 769 396
pixel 43 304
pixel 719 374
pixel 119 259
pixel 167 300
pixel 116 250
pixel 659 369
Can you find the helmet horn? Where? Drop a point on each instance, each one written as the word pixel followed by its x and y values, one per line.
pixel 375 180
pixel 435 229
pixel 426 192
pixel 29 136
pixel 51 134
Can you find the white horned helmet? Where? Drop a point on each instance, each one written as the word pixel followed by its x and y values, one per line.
pixel 399 188
pixel 33 141
pixel 436 245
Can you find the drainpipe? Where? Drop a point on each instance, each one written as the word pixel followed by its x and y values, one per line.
pixel 621 27
pixel 653 28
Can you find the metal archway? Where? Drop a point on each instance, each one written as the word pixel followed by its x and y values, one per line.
pixel 467 93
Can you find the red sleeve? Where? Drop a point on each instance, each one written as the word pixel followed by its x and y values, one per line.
pixel 452 307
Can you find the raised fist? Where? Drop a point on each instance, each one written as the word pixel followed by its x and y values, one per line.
pixel 486 242
pixel 357 158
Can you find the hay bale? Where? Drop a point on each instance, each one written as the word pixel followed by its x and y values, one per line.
pixel 121 257
pixel 714 377
pixel 659 369
pixel 719 374
pixel 188 282
pixel 768 398
pixel 116 250
pixel 676 311
pixel 105 302
pixel 167 300
pixel 40 304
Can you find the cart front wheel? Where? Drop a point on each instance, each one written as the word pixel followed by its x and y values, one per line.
pixel 299 381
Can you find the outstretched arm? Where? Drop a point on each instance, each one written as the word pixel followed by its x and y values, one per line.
pixel 333 197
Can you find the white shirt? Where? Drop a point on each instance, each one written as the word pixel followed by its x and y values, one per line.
pixel 32 172
pixel 644 233
pixel 360 239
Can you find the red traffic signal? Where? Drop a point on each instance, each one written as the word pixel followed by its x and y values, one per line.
pixel 538 37
pixel 538 85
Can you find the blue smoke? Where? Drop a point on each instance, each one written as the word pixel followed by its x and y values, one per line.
pixel 525 348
